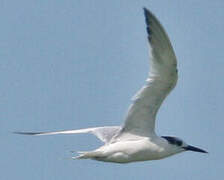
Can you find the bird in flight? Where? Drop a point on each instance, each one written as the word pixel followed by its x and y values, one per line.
pixel 136 139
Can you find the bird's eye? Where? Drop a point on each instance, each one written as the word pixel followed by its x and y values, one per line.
pixel 173 140
pixel 179 142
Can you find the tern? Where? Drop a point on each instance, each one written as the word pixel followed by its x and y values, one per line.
pixel 136 139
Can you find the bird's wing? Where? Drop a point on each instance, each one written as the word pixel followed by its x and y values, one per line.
pixel 103 133
pixel 162 79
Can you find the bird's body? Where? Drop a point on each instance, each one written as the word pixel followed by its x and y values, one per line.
pixel 137 149
pixel 136 140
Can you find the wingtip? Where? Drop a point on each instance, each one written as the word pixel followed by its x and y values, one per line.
pixel 25 133
pixel 147 15
pixel 144 9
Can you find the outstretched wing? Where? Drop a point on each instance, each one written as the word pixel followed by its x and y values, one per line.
pixel 162 79
pixel 103 133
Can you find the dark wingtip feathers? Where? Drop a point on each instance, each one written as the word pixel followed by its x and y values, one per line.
pixel 147 15
pixel 27 133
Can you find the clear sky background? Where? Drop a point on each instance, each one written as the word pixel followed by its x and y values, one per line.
pixel 76 63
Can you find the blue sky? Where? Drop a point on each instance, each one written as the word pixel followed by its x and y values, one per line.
pixel 73 64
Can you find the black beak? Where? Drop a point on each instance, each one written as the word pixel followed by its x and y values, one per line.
pixel 192 148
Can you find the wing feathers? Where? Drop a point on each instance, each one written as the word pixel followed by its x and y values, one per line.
pixel 88 130
pixel 162 79
pixel 103 133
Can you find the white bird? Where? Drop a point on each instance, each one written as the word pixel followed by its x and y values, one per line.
pixel 136 140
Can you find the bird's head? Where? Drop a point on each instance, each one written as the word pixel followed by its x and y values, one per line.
pixel 181 145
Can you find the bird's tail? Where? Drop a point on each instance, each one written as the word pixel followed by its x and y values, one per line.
pixel 88 155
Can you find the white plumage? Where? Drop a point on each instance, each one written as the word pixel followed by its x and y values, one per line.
pixel 136 140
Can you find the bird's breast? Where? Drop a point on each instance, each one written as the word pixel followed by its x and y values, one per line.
pixel 135 150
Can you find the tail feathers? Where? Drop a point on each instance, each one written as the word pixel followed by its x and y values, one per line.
pixel 88 155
